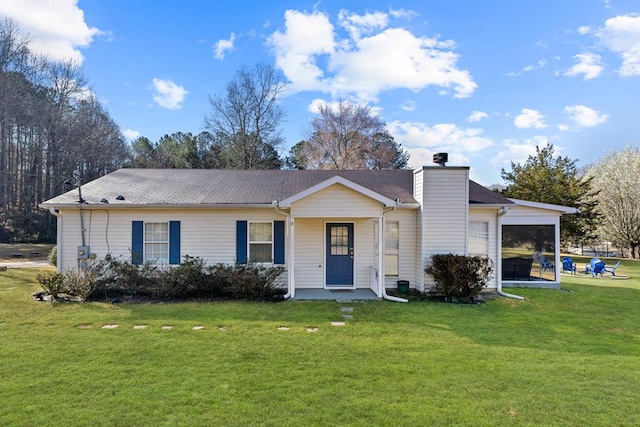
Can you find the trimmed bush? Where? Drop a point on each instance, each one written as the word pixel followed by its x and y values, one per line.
pixel 460 277
pixel 52 282
pixel 53 256
pixel 191 279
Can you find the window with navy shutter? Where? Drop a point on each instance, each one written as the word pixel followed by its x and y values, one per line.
pixel 157 242
pixel 260 241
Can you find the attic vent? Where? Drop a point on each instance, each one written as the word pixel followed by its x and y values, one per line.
pixel 440 158
pixel 119 197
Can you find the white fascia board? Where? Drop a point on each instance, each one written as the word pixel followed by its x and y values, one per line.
pixel 286 203
pixel 547 206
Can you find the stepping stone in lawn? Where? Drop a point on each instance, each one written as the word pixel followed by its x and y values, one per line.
pixel 347 316
pixel 283 328
pixel 337 323
pixel 346 309
pixel 85 326
pixel 112 326
pixel 312 329
pixel 139 326
pixel 222 328
pixel 198 328
pixel 167 327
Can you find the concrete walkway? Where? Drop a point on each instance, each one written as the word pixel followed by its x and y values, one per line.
pixel 25 264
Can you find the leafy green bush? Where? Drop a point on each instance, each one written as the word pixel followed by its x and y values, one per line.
pixel 460 277
pixel 52 282
pixel 53 256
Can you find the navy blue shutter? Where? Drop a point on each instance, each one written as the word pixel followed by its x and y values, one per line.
pixel 137 242
pixel 174 242
pixel 278 242
pixel 241 242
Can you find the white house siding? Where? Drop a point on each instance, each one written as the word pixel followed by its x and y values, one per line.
pixel 309 253
pixel 491 217
pixel 205 233
pixel 336 201
pixel 418 187
pixel 445 214
pixel 310 244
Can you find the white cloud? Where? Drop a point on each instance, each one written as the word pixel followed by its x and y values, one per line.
pixel 621 35
pixel 528 119
pixel 371 59
pixel 56 27
pixel 422 141
pixel 403 13
pixel 584 30
pixel 130 134
pixel 589 65
pixel 517 151
pixel 541 63
pixel 224 45
pixel 476 116
pixel 408 105
pixel 357 25
pixel 168 94
pixel 584 116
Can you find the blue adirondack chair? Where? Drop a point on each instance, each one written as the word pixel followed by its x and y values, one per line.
pixel 568 265
pixel 595 267
pixel 612 270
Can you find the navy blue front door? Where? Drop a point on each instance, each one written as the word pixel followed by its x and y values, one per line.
pixel 339 254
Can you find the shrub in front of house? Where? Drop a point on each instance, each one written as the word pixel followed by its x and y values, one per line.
pixel 460 278
pixel 115 278
pixel 248 281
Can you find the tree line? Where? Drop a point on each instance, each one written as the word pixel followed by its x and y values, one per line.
pixel 50 125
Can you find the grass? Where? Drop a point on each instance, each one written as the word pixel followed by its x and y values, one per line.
pixel 565 358
pixel 26 251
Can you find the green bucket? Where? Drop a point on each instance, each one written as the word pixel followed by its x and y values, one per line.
pixel 403 286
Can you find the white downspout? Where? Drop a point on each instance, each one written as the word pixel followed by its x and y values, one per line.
pixel 381 245
pixel 501 213
pixel 291 291
pixel 58 216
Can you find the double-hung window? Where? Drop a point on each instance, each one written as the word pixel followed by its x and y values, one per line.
pixel 261 241
pixel 391 247
pixel 156 242
pixel 478 238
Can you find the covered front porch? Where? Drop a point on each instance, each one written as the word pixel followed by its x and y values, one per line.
pixel 335 241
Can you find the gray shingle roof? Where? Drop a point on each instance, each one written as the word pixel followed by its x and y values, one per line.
pixel 482 195
pixel 226 187
pixel 173 187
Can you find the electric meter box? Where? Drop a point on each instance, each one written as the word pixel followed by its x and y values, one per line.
pixel 83 252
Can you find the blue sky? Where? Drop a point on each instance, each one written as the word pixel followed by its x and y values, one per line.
pixel 485 81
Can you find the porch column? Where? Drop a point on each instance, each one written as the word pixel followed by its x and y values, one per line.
pixel 291 261
pixel 381 246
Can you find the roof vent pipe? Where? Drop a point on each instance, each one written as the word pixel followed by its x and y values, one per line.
pixel 441 158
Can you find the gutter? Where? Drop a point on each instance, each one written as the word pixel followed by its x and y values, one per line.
pixel 381 260
pixel 290 291
pixel 502 213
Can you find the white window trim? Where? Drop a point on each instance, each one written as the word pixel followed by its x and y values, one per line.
pixel 260 242
pixel 485 239
pixel 146 257
pixel 387 251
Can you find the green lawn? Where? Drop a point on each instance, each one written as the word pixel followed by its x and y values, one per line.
pixel 565 358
